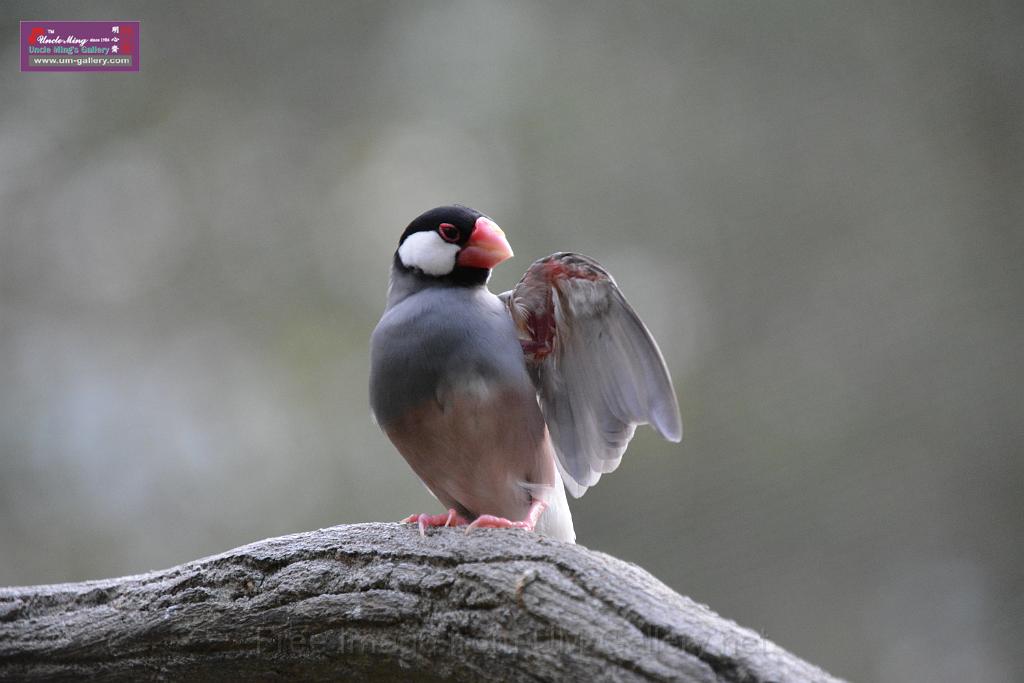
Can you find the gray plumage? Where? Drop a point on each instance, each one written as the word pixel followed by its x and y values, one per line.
pixel 450 387
pixel 430 336
pixel 498 402
pixel 603 374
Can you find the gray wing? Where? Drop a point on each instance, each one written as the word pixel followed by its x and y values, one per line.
pixel 597 369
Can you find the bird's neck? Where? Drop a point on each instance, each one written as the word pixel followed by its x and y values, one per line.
pixel 407 281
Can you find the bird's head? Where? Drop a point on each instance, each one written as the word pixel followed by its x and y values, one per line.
pixel 454 243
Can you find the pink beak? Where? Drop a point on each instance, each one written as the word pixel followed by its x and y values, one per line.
pixel 487 246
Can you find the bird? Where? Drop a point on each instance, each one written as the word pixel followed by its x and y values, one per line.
pixel 502 403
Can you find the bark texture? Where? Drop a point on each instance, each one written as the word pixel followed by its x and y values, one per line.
pixel 378 602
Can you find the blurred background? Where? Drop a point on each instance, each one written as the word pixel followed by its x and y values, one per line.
pixel 818 209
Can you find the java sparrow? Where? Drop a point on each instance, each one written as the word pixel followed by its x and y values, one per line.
pixel 500 403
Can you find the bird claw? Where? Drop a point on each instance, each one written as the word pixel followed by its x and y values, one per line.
pixel 492 522
pixel 423 520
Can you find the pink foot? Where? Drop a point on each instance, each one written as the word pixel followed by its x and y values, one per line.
pixel 450 518
pixel 491 522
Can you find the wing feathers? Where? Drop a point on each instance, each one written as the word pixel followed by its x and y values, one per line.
pixel 597 369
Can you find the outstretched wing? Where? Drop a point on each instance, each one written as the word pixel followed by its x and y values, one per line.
pixel 597 369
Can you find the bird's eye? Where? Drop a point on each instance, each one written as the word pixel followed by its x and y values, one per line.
pixel 448 232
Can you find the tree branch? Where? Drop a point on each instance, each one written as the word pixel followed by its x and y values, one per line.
pixel 378 602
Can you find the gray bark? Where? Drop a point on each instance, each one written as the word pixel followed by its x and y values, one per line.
pixel 378 602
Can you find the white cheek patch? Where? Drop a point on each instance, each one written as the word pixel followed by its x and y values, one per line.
pixel 428 252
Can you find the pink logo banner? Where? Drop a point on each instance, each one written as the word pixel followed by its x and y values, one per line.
pixel 79 46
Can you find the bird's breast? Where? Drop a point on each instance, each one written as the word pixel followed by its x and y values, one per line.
pixel 433 346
